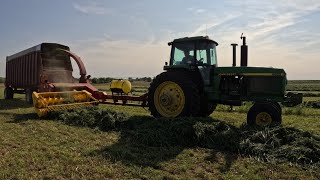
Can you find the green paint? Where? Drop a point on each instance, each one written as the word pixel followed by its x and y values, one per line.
pixel 227 85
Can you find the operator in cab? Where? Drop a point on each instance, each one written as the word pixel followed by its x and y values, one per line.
pixel 187 58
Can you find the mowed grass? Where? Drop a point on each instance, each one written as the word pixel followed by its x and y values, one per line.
pixel 33 148
pixel 304 85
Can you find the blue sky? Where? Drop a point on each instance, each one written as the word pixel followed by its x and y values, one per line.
pixel 129 38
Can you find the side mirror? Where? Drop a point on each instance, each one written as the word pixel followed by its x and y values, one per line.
pixel 166 63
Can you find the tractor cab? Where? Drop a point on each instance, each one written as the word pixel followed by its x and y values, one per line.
pixel 193 51
pixel 195 54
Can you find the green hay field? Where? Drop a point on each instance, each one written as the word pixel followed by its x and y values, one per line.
pixel 141 147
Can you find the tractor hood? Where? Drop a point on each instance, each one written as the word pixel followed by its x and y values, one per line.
pixel 248 71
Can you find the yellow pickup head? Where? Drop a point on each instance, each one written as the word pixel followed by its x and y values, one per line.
pixel 46 102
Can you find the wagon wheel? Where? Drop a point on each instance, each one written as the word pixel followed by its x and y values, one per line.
pixel 8 93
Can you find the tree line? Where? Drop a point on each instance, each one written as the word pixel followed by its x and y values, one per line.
pixel 101 80
pixel 2 80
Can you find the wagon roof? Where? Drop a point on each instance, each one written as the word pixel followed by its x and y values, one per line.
pixel 32 49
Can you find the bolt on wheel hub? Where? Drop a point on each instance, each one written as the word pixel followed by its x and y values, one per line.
pixel 165 99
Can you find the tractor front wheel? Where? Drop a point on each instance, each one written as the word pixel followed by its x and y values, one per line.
pixel 173 94
pixel 264 114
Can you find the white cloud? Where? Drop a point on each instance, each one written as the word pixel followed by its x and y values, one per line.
pixel 262 22
pixel 197 11
pixel 303 5
pixel 271 42
pixel 122 58
pixel 205 27
pixel 90 8
pixel 287 13
pixel 190 8
pixel 261 19
pixel 271 26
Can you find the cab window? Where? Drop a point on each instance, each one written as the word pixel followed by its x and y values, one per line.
pixel 182 53
pixel 206 54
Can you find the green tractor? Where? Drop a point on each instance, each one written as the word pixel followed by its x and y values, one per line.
pixel 193 84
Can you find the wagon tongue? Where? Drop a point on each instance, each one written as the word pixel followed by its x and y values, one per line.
pixel 46 102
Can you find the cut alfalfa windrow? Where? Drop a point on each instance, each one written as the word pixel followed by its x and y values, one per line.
pixel 271 144
pixel 282 143
pixel 92 117
pixel 268 143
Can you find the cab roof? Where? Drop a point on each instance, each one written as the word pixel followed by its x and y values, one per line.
pixel 195 38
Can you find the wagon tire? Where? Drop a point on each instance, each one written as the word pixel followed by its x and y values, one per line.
pixel 8 93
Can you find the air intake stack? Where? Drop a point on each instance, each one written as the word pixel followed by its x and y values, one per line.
pixel 244 52
pixel 234 57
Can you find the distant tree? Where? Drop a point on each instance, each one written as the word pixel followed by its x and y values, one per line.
pixel 94 80
pixel 149 79
pixel 108 79
pixel 101 80
pixel 146 79
pixel 2 80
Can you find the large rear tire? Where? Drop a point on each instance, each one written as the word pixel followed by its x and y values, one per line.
pixel 8 93
pixel 264 114
pixel 207 107
pixel 277 105
pixel 211 107
pixel 173 94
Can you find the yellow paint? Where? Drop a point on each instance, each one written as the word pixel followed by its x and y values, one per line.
pixel 250 74
pixel 121 86
pixel 257 74
pixel 56 101
pixel 169 99
pixel 227 74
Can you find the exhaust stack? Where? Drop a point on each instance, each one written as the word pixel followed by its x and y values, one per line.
pixel 234 57
pixel 244 52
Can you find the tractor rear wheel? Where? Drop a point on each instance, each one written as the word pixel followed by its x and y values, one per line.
pixel 277 105
pixel 264 114
pixel 173 94
pixel 8 93
pixel 207 108
pixel 211 108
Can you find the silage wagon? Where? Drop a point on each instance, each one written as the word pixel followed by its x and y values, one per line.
pixel 32 70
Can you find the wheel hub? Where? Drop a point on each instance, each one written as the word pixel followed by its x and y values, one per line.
pixel 165 100
pixel 263 119
pixel 169 99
